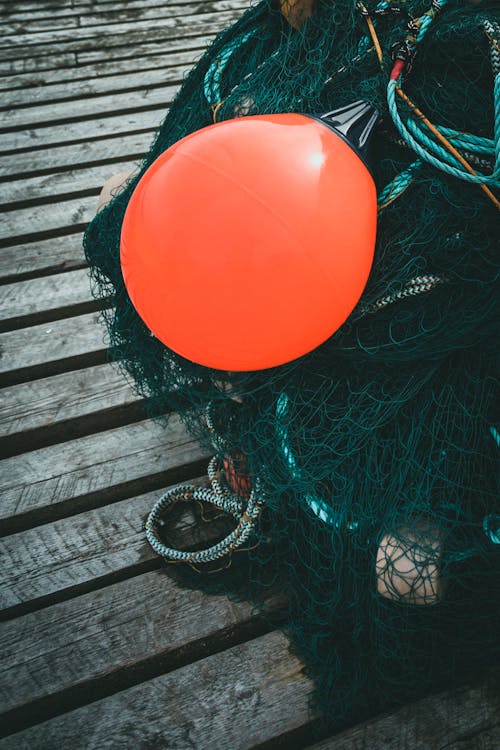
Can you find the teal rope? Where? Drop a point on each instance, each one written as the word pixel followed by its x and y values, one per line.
pixel 398 184
pixel 419 139
pixel 213 76
pixel 442 158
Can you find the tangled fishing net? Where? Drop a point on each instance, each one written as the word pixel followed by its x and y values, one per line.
pixel 362 477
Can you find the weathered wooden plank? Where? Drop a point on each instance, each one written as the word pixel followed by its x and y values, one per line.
pixel 85 131
pixel 115 14
pixel 37 300
pixel 44 8
pixel 93 547
pixel 45 256
pixel 467 718
pixel 87 87
pixel 181 52
pixel 50 188
pixel 102 635
pixel 30 23
pixel 142 49
pixel 39 222
pixel 91 107
pixel 137 53
pixel 58 405
pixel 247 695
pixel 53 481
pixel 128 148
pixel 25 64
pixel 34 21
pixel 90 37
pixel 51 348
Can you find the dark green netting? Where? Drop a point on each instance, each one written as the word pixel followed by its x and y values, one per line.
pixel 376 453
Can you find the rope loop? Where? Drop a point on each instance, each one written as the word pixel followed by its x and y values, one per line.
pixel 245 512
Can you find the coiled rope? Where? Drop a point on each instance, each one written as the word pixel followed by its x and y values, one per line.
pixel 246 512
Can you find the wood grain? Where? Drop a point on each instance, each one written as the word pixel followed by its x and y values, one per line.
pixel 464 719
pixel 110 631
pixel 71 89
pixel 50 188
pixel 65 476
pixel 246 695
pixel 66 406
pixel 61 159
pixel 57 41
pixel 50 348
pixel 42 257
pixel 29 302
pixel 178 52
pixel 87 107
pixel 61 398
pixel 115 125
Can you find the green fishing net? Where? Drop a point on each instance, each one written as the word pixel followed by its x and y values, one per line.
pixel 371 460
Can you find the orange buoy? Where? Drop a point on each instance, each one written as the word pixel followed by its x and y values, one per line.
pixel 248 243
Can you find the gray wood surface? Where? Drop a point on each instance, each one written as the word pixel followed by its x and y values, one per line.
pixel 61 400
pixel 126 80
pixel 41 257
pixel 63 134
pixel 64 41
pixel 87 108
pixel 38 221
pixel 92 547
pixel 50 188
pixel 94 616
pixel 238 698
pixel 464 719
pixel 60 159
pixel 177 52
pixel 50 348
pixel 111 630
pixel 29 302
pixel 63 477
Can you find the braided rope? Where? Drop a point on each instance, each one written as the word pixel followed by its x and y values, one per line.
pixel 247 513
pixel 492 29
pixel 418 285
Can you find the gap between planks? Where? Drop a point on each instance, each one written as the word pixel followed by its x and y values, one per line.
pixel 64 407
pixel 240 697
pixel 67 478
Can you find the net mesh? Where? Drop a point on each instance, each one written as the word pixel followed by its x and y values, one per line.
pixel 376 452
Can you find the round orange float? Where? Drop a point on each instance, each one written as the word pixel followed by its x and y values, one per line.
pixel 248 243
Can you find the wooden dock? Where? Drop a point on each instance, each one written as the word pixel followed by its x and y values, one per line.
pixel 101 645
